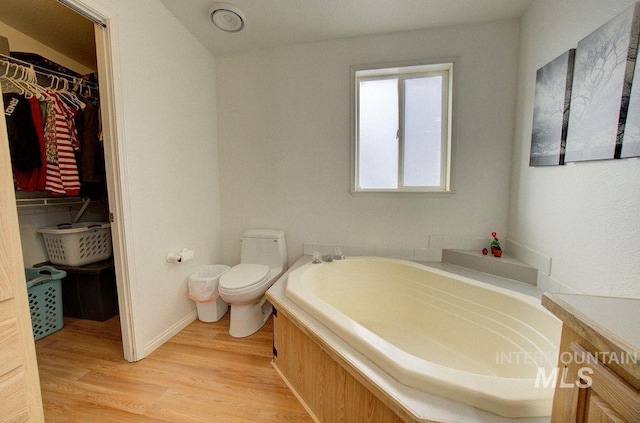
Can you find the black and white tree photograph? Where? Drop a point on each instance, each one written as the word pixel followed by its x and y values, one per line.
pixel 551 111
pixel 603 75
pixel 631 138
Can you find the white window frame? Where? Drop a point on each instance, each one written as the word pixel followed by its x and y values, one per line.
pixel 403 71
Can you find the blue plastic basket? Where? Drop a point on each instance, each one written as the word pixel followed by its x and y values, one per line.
pixel 44 287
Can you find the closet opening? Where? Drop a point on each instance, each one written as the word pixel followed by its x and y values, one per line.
pixel 60 144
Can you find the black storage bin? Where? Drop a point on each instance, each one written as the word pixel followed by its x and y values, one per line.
pixel 89 291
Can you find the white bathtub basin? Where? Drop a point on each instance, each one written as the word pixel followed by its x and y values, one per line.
pixel 438 332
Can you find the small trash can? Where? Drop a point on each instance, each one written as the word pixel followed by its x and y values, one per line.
pixel 203 289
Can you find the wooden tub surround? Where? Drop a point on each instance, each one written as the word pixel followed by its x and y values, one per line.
pixel 328 391
pixel 336 383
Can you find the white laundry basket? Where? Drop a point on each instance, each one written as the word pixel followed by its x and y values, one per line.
pixel 203 289
pixel 77 244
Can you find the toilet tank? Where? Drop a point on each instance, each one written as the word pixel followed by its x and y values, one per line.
pixel 264 246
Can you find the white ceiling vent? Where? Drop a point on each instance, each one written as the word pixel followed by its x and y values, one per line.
pixel 227 17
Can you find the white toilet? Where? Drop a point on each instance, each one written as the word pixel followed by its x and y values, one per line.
pixel 263 259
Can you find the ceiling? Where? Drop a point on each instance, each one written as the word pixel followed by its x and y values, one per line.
pixel 272 23
pixel 269 23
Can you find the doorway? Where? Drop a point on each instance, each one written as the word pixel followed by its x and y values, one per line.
pixel 102 53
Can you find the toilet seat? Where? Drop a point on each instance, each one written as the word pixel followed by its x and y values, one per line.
pixel 243 278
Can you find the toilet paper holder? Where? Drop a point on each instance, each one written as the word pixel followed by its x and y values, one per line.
pixel 185 255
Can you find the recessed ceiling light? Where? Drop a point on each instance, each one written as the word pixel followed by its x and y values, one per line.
pixel 227 17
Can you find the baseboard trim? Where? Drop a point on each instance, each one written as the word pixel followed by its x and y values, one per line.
pixel 169 333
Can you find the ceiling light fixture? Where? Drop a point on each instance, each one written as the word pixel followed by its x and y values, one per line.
pixel 227 17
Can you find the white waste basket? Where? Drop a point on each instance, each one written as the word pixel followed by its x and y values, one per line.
pixel 203 289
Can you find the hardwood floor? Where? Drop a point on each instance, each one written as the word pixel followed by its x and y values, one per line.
pixel 200 375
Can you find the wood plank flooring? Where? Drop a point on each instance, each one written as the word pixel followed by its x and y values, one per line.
pixel 200 375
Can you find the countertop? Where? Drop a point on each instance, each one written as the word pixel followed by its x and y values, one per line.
pixel 610 324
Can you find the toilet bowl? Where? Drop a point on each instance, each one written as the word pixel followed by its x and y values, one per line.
pixel 263 260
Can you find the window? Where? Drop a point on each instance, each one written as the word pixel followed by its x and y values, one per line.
pixel 402 128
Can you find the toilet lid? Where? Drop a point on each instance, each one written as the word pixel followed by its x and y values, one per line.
pixel 243 276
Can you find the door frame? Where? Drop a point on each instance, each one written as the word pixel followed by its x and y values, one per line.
pixel 110 107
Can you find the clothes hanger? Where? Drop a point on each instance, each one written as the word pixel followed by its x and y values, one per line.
pixel 7 65
pixel 8 84
pixel 30 81
pixel 70 96
pixel 18 81
pixel 56 85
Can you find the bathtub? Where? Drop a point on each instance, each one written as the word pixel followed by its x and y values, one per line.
pixel 440 333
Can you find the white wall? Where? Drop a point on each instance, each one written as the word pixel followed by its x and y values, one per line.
pixel 170 170
pixel 584 215
pixel 166 118
pixel 284 134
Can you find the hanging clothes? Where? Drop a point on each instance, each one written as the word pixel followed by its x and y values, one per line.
pixel 34 179
pixel 49 153
pixel 23 142
pixel 39 174
pixel 92 168
pixel 91 157
pixel 61 141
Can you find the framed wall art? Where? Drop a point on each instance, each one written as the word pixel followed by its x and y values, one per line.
pixel 600 95
pixel 551 111
pixel 631 137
